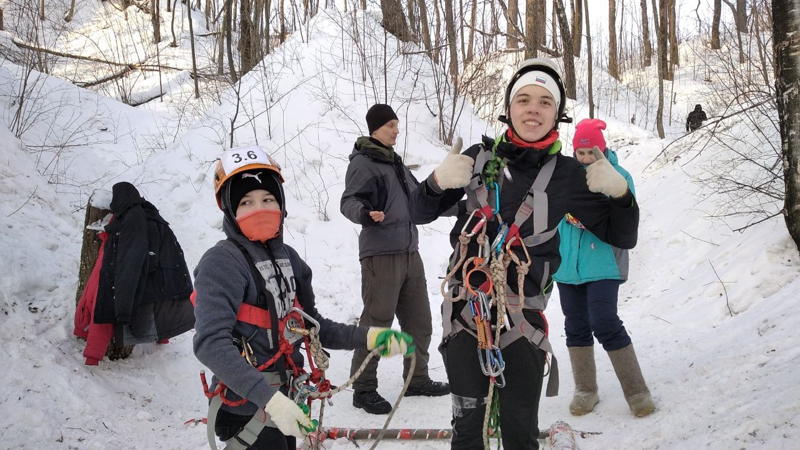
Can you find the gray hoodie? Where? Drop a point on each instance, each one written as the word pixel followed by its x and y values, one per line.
pixel 223 281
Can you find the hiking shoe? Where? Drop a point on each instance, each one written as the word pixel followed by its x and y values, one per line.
pixel 429 388
pixel 371 402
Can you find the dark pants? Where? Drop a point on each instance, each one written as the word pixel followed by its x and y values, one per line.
pixel 592 308
pixel 228 424
pixel 394 285
pixel 519 399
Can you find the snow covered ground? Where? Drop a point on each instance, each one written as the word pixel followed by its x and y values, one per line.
pixel 711 311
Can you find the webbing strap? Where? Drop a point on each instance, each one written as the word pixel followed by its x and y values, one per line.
pixel 535 200
pixel 536 337
pixel 249 433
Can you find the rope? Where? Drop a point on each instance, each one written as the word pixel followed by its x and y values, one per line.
pixel 350 381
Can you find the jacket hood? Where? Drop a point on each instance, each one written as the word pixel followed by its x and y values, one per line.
pixel 374 149
pixel 124 197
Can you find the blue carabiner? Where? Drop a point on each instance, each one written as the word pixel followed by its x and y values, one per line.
pixel 496 198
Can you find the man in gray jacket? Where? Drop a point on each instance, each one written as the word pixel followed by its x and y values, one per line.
pixel 377 188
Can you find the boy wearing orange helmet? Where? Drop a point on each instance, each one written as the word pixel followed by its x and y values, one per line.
pixel 253 292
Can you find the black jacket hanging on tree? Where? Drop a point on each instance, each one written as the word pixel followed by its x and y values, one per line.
pixel 144 281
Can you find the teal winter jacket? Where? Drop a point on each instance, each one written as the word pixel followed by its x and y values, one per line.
pixel 584 257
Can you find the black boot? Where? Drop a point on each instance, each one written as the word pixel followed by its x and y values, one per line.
pixel 371 402
pixel 429 388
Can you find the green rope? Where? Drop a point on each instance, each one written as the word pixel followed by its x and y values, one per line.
pixel 494 417
pixel 495 164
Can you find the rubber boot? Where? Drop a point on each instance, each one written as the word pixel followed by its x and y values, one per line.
pixel 584 373
pixel 630 377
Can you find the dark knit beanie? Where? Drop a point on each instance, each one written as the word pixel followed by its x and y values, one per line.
pixel 250 180
pixel 378 115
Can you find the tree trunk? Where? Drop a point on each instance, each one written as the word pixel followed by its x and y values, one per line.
pixel 589 65
pixel 438 36
pixel 1 20
pixel 228 38
pixel 577 24
pixel 786 22
pixel 613 69
pixel 70 12
pixel 715 25
pixel 451 43
pixel 413 23
pixel 155 18
pixel 674 58
pixel 394 21
pixel 511 25
pixel 471 44
pixel 363 4
pixel 646 44
pixel 739 14
pixel 174 42
pixel 540 24
pixel 245 46
pixel 566 42
pixel 194 58
pixel 426 33
pixel 282 15
pixel 267 26
pixel 531 34
pixel 461 30
pixel 41 11
pixel 660 19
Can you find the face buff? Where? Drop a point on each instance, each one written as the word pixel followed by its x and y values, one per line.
pixel 261 225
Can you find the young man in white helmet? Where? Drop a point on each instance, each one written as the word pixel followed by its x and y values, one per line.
pixel 518 187
pixel 247 290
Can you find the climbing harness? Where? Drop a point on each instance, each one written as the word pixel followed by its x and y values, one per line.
pixel 281 370
pixel 492 263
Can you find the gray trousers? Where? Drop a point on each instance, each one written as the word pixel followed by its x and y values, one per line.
pixel 394 285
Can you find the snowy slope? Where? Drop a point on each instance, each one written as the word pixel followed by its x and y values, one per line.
pixel 719 381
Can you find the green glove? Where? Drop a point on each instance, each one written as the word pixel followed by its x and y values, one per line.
pixel 393 342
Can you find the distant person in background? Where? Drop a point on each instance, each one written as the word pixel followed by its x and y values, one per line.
pixel 588 283
pixel 695 118
pixel 376 191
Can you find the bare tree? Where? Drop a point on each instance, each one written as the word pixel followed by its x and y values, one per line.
pixel 282 18
pixel 660 19
pixel 426 33
pixel 531 34
pixel 1 19
pixel 394 21
pixel 246 42
pixel 739 13
pixel 451 42
pixel 413 23
pixel 566 41
pixel 589 65
pixel 174 42
pixel 194 57
pixel 646 44
pixel 613 68
pixel 228 20
pixel 715 25
pixel 674 58
pixel 786 22
pixel 471 44
pixel 69 14
pixel 511 24
pixel 155 18
pixel 41 11
pixel 577 24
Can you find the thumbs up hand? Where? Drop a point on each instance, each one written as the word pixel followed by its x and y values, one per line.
pixel 602 177
pixel 456 169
